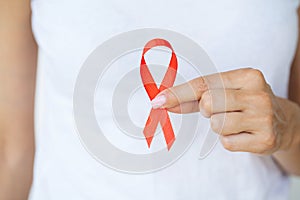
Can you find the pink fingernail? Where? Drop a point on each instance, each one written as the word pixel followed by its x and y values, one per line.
pixel 158 101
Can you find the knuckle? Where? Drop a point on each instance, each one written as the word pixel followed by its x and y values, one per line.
pixel 268 120
pixel 254 75
pixel 205 104
pixel 215 124
pixel 257 73
pixel 199 85
pixel 259 151
pixel 227 144
pixel 237 97
pixel 246 70
pixel 269 141
pixel 264 99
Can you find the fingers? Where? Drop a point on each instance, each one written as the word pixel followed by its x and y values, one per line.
pixel 215 101
pixel 231 123
pixel 239 104
pixel 188 107
pixel 247 142
pixel 193 90
pixel 245 131
pixel 244 78
pixel 240 142
pixel 219 100
pixel 190 91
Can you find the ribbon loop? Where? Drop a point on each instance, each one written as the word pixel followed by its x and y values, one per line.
pixel 158 115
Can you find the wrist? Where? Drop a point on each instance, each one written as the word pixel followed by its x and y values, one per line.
pixel 290 134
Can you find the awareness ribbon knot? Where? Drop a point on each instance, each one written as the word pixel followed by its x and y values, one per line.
pixel 158 115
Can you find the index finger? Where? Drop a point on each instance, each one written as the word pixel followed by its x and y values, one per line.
pixel 193 89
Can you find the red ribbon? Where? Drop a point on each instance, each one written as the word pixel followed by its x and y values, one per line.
pixel 158 115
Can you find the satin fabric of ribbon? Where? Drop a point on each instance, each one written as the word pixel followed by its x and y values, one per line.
pixel 158 115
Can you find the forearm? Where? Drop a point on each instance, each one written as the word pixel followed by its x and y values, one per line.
pixel 16 133
pixel 16 174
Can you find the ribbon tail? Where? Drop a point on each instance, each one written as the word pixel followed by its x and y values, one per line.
pixel 166 125
pixel 151 125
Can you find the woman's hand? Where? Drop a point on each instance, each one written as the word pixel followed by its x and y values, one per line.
pixel 251 118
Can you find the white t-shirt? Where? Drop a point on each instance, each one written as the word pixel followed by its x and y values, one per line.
pixel 234 33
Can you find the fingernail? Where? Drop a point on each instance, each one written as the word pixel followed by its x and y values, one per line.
pixel 158 101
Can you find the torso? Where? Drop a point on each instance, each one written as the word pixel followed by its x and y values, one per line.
pixel 235 34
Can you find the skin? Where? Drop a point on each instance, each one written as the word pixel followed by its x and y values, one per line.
pixel 275 133
pixel 18 54
pixel 252 119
